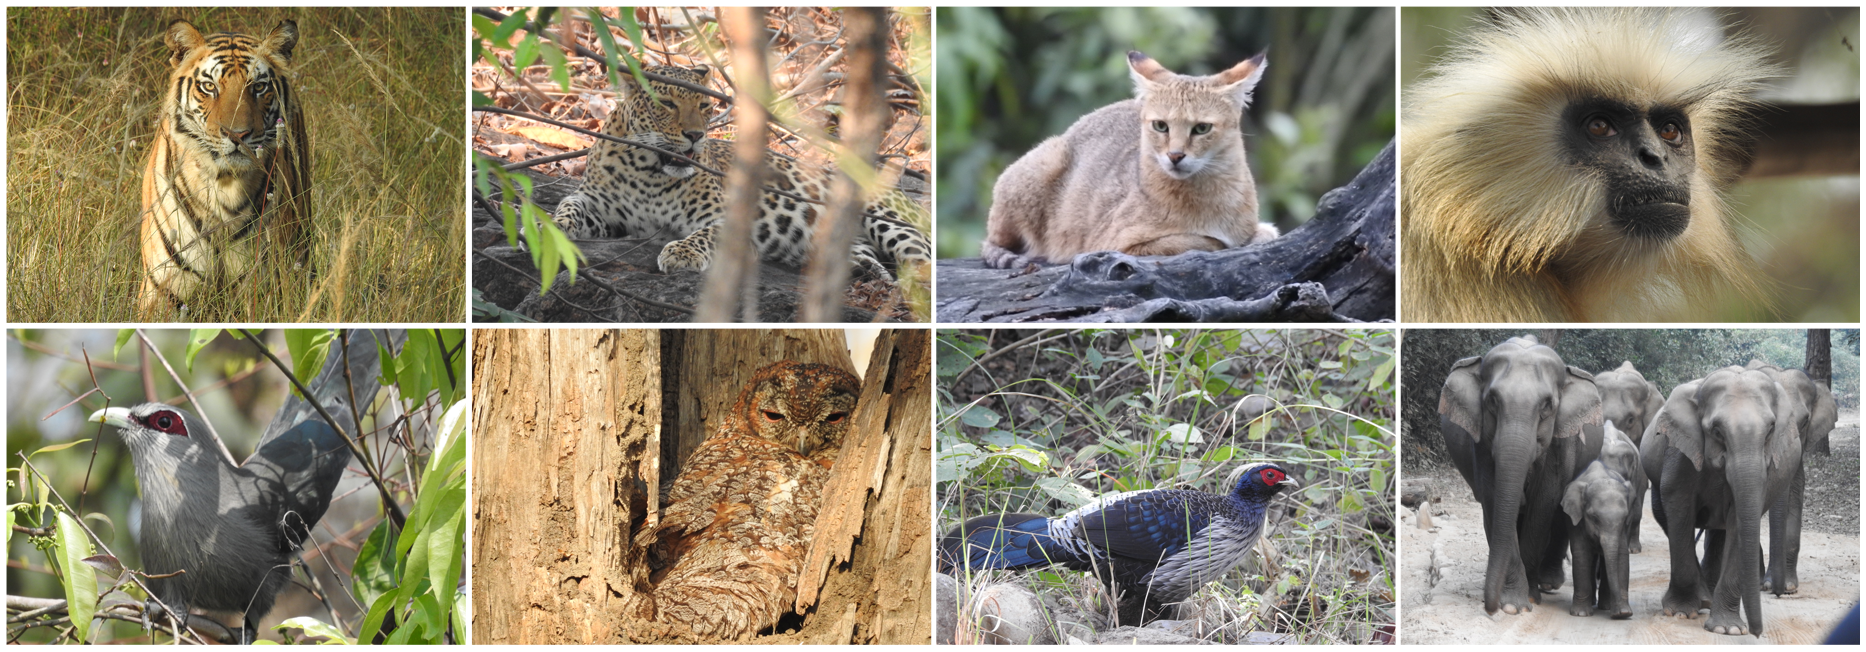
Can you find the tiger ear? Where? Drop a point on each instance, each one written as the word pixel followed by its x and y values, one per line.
pixel 182 38
pixel 283 38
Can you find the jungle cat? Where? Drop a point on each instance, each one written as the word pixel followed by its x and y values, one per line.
pixel 1161 174
pixel 634 192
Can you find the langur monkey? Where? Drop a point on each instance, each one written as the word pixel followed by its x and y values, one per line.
pixel 1567 165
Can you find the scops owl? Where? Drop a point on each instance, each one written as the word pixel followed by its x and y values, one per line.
pixel 738 520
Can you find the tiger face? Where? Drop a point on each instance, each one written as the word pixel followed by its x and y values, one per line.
pixel 230 92
pixel 672 118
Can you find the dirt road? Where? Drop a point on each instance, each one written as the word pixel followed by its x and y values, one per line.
pixel 1443 574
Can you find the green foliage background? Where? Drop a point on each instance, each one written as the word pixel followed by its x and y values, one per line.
pixel 1010 77
pixel 239 392
pixel 1668 358
pixel 1075 414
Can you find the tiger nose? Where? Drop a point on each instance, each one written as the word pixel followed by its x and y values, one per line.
pixel 236 133
pixel 694 136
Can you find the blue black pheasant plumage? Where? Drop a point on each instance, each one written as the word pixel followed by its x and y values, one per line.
pixel 1153 547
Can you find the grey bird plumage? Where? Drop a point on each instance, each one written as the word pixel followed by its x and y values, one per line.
pixel 232 531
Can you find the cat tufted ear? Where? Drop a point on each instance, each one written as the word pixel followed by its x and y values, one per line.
pixel 1241 80
pixel 1146 72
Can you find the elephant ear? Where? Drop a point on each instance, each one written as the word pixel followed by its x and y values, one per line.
pixel 1655 400
pixel 1791 415
pixel 1678 423
pixel 1459 400
pixel 1574 500
pixel 1579 412
pixel 1821 416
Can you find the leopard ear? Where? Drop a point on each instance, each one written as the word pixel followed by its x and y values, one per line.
pixel 702 70
pixel 182 38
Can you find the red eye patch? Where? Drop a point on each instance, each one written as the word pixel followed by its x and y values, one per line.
pixel 166 421
pixel 1272 476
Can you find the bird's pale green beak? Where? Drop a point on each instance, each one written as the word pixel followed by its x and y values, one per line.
pixel 116 416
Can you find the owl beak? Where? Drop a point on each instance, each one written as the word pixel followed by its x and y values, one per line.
pixel 803 443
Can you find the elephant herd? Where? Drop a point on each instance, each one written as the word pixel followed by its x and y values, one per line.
pixel 1560 461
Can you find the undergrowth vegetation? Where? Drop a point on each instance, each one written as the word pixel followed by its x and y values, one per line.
pixel 1044 421
pixel 381 91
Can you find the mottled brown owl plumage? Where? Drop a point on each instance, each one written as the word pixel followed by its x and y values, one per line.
pixel 738 520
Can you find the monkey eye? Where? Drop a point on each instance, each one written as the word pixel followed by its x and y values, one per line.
pixel 774 416
pixel 1671 132
pixel 1599 127
pixel 1159 126
pixel 1201 129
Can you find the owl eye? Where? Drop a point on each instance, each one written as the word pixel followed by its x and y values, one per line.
pixel 835 417
pixel 774 416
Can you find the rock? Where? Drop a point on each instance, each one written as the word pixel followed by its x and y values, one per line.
pixel 1268 638
pixel 1008 614
pixel 1144 636
pixel 1424 518
pixel 945 608
pixel 1416 491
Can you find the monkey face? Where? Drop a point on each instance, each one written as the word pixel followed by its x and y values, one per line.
pixel 1644 157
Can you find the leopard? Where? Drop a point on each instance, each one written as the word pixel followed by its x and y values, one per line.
pixel 633 191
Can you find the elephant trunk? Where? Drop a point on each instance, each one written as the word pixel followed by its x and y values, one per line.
pixel 1748 483
pixel 1616 566
pixel 1513 451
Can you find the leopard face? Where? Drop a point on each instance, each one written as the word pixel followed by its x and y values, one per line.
pixel 671 117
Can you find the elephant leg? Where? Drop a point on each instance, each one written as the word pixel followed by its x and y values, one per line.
pixel 1552 555
pixel 1712 572
pixel 1514 595
pixel 1682 596
pixel 1726 616
pixel 1785 538
pixel 1637 515
pixel 1585 574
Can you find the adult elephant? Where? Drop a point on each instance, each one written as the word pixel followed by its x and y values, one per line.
pixel 1628 399
pixel 1519 424
pixel 1785 513
pixel 1723 449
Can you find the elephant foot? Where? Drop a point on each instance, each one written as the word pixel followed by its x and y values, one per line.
pixel 1623 614
pixel 1636 549
pixel 1580 610
pixel 1681 606
pixel 1726 624
pixel 1790 584
pixel 1512 609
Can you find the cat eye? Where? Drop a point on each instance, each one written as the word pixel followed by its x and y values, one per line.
pixel 1159 126
pixel 1201 129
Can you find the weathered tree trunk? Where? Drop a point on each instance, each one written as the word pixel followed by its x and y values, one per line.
pixel 877 587
pixel 733 281
pixel 565 426
pixel 1819 365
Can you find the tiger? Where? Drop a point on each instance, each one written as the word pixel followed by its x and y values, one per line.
pixel 229 163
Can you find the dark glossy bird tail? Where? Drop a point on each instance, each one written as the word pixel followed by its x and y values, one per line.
pixel 1004 542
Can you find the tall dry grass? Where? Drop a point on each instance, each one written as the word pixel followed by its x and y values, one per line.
pixel 382 92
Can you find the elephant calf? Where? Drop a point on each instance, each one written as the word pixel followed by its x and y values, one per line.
pixel 1602 505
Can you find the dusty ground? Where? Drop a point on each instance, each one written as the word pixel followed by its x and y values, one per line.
pixel 1442 591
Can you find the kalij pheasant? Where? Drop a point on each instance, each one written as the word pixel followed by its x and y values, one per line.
pixel 1153 548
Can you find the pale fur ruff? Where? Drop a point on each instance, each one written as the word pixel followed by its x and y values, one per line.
pixel 202 215
pixel 1484 186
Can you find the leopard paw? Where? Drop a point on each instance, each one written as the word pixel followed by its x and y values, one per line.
pixel 681 255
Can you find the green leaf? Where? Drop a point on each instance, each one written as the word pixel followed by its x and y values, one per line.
pixel 372 621
pixel 1259 428
pixel 80 579
pixel 525 53
pixel 123 337
pixel 508 27
pixel 626 16
pixel 308 348
pixel 560 68
pixel 1379 379
pixel 979 416
pixel 59 447
pixel 483 27
pixel 315 627
pixel 197 340
pixel 374 572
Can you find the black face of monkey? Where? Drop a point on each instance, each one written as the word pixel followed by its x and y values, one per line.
pixel 1643 155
